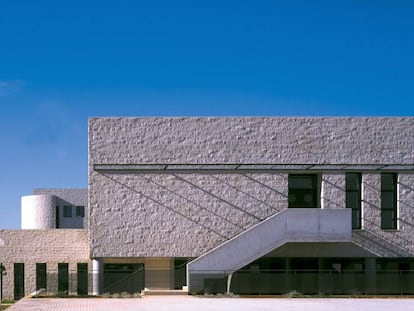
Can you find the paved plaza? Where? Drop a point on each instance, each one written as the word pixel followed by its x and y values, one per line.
pixel 184 303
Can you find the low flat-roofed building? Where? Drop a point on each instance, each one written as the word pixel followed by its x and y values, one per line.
pixel 249 205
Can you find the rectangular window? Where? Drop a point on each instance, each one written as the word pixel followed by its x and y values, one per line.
pixel 63 278
pixel 388 201
pixel 18 280
pixel 82 278
pixel 67 211
pixel 41 279
pixel 303 190
pixel 80 211
pixel 353 197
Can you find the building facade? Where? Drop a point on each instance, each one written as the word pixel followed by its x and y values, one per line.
pixel 250 205
pixel 51 250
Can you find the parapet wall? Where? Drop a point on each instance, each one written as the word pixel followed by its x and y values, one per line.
pixel 286 140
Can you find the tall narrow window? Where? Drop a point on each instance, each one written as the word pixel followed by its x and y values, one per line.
pixel 353 197
pixel 40 276
pixel 57 217
pixel 63 278
pixel 18 280
pixel 303 190
pixel 388 201
pixel 82 278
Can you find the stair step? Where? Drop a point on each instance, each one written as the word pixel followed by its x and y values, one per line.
pixel 163 292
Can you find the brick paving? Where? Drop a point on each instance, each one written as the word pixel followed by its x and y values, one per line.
pixel 184 303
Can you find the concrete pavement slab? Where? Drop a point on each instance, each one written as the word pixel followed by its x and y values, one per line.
pixel 189 303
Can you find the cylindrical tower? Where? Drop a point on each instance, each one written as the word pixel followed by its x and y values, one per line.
pixel 38 212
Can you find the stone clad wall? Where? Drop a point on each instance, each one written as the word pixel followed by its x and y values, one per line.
pixel 333 190
pixel 177 215
pixel 40 246
pixel 387 243
pixel 185 214
pixel 251 140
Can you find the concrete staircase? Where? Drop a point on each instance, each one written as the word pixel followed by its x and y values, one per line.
pixel 290 225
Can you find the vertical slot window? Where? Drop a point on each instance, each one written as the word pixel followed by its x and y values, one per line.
pixel 63 278
pixel 57 217
pixel 388 201
pixel 41 279
pixel 18 281
pixel 82 276
pixel 354 197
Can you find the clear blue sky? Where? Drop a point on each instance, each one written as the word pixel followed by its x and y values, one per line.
pixel 63 61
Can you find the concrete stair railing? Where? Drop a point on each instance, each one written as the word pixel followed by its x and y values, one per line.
pixel 290 225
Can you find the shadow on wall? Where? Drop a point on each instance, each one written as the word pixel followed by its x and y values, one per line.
pixel 193 190
pixel 371 240
pixel 372 236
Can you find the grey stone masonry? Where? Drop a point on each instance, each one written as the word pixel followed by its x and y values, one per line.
pixel 387 243
pixel 333 190
pixel 185 214
pixel 181 215
pixel 251 140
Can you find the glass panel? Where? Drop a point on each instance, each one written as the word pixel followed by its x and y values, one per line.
pixel 63 278
pixel 302 181
pixel 388 182
pixel 18 281
pixel 126 277
pixel 356 219
pixel 387 219
pixel 80 211
pixel 82 278
pixel 41 276
pixel 57 217
pixel 302 198
pixel 353 200
pixel 303 191
pixel 387 200
pixel 353 197
pixel 67 211
pixel 353 181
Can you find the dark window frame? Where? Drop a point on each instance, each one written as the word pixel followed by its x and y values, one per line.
pixel 353 197
pixel 63 278
pixel 389 201
pixel 57 216
pixel 82 278
pixel 80 211
pixel 301 196
pixel 67 211
pixel 41 276
pixel 19 280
